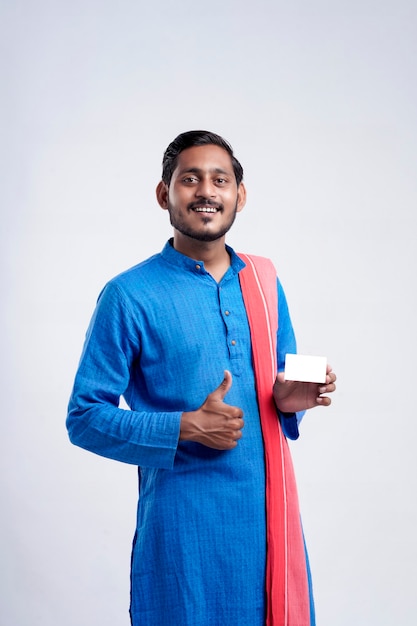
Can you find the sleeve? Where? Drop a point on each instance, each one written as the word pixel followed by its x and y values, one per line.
pixel 286 343
pixel 94 421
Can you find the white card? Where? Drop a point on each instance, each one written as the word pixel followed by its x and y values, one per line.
pixel 307 369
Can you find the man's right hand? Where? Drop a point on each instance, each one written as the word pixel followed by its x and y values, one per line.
pixel 215 424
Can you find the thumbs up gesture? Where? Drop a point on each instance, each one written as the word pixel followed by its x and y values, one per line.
pixel 215 424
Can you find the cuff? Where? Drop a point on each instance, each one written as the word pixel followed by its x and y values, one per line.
pixel 289 424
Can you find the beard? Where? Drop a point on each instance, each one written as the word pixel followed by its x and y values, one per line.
pixel 181 225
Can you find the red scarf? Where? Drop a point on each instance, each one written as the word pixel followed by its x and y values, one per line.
pixel 286 570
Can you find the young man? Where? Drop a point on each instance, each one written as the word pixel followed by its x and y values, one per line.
pixel 218 539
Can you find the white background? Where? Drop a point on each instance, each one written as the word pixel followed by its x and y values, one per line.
pixel 319 101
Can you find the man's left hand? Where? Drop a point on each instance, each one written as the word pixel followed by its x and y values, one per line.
pixel 292 396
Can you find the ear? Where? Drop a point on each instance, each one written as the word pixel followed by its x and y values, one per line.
pixel 162 195
pixel 241 197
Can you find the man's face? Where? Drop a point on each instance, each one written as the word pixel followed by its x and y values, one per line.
pixel 203 197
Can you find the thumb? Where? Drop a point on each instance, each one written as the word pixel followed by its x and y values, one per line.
pixel 223 388
pixel 280 377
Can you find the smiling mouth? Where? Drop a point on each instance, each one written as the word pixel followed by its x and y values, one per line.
pixel 205 209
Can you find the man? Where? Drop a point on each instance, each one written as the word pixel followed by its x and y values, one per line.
pixel 174 336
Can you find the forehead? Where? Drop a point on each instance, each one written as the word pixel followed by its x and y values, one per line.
pixel 204 158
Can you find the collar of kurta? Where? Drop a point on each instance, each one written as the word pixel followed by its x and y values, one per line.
pixel 181 261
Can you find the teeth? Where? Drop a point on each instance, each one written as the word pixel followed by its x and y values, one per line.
pixel 205 209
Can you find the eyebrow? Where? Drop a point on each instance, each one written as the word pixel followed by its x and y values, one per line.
pixel 197 170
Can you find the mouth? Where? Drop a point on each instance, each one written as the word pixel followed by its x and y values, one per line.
pixel 205 208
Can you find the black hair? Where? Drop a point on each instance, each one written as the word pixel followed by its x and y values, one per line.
pixel 196 138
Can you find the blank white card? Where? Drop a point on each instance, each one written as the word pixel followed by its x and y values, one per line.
pixel 308 369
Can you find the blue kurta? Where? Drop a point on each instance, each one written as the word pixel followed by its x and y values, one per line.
pixel 161 336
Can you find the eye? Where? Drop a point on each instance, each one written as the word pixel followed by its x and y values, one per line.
pixel 221 181
pixel 189 179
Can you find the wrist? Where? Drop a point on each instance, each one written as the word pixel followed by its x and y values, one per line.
pixel 187 426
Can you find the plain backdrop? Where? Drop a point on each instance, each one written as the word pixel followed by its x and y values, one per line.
pixel 319 102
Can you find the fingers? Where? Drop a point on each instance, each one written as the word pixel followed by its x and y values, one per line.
pixel 323 401
pixel 329 387
pixel 330 375
pixel 237 433
pixel 330 381
pixel 215 424
pixel 238 424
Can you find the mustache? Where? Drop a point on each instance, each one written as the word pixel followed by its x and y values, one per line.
pixel 204 202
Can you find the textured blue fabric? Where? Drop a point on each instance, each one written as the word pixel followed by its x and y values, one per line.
pixel 161 336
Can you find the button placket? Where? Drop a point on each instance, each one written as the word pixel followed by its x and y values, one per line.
pixel 231 322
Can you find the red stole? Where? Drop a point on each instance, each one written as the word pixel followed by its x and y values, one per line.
pixel 286 570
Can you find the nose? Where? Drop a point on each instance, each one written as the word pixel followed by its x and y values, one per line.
pixel 205 188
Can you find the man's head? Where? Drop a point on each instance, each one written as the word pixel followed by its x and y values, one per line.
pixel 201 188
pixel 191 139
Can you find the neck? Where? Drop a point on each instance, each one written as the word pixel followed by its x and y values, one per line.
pixel 213 253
